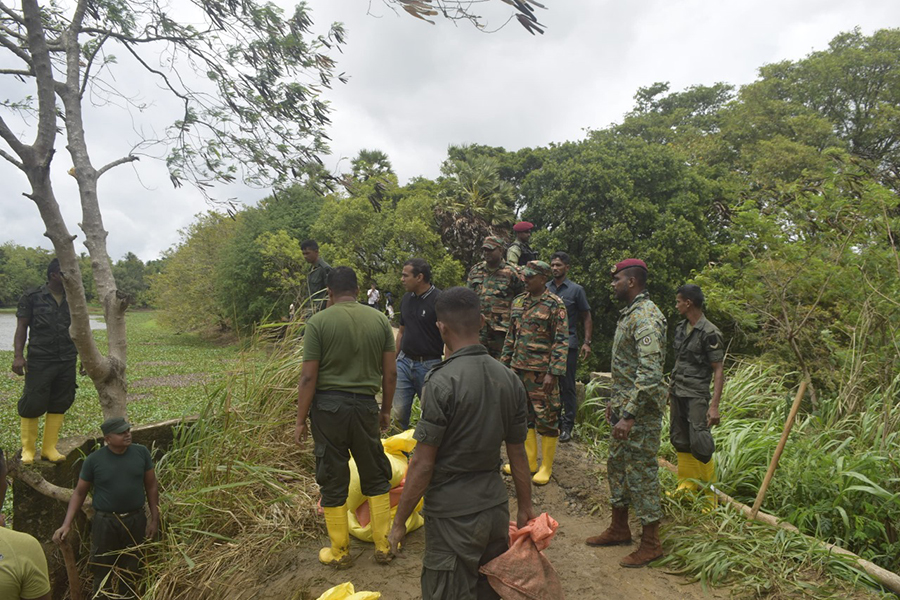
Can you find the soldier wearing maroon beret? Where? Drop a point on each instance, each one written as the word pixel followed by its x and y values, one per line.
pixel 635 411
pixel 519 252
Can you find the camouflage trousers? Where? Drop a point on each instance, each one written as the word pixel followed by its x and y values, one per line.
pixel 543 409
pixel 632 469
pixel 493 341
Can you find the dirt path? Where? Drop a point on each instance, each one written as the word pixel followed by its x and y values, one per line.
pixel 586 573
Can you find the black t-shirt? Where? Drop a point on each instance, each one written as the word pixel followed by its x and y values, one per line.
pixel 419 321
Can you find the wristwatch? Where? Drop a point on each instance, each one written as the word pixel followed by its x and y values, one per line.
pixel 627 416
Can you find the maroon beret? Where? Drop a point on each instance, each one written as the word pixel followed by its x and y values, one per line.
pixel 628 262
pixel 523 226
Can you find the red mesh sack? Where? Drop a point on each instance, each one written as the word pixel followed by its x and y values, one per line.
pixel 523 572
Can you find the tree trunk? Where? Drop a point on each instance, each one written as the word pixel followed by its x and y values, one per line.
pixel 107 373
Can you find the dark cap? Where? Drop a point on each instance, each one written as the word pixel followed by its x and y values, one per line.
pixel 115 425
pixel 536 267
pixel 523 226
pixel 492 242
pixel 628 262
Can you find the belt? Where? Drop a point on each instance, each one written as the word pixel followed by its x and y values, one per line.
pixel 418 358
pixel 121 515
pixel 346 394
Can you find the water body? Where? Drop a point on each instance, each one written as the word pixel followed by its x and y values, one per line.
pixel 8 328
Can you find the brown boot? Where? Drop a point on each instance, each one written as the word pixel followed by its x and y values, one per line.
pixel 649 550
pixel 617 533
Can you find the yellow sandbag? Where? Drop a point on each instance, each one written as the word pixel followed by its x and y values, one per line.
pixel 394 447
pixel 345 591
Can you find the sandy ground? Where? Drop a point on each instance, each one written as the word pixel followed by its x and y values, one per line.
pixel 577 490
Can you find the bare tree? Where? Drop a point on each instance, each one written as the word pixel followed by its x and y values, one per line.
pixel 249 80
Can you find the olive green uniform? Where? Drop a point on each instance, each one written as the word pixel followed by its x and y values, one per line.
pixel 315 280
pixel 349 341
pixel 637 388
pixel 520 254
pixel 50 370
pixel 496 289
pixel 471 405
pixel 696 348
pixel 537 345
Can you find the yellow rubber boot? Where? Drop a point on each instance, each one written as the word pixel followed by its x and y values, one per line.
pixel 29 439
pixel 548 447
pixel 530 452
pixel 52 424
pixel 380 510
pixel 708 476
pixel 338 555
pixel 688 469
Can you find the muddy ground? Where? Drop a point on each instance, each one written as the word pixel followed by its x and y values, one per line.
pixel 578 489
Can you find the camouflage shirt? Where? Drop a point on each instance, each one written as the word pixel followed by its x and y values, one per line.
pixel 538 336
pixel 695 351
pixel 637 359
pixel 496 290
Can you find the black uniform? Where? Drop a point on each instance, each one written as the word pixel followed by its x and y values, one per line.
pixel 695 351
pixel 471 405
pixel 50 369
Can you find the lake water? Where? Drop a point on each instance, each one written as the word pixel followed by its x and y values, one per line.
pixel 8 328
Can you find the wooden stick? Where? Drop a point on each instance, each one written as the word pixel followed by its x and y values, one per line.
pixel 886 578
pixel 773 464
pixel 71 569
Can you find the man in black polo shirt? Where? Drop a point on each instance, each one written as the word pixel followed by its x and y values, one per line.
pixel 577 305
pixel 418 340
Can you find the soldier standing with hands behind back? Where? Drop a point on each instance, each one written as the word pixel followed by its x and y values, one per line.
pixel 635 413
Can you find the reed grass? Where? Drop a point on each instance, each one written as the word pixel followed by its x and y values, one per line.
pixel 237 490
pixel 838 480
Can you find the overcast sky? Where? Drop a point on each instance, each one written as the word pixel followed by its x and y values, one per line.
pixel 416 88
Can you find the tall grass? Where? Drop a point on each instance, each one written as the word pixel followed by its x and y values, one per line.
pixel 236 488
pixel 838 478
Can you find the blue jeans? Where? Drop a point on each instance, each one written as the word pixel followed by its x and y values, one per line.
pixel 410 379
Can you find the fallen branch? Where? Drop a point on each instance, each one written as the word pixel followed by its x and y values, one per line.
pixel 886 578
pixel 34 480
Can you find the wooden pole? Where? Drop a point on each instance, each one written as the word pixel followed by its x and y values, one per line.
pixel 71 569
pixel 773 464
pixel 886 578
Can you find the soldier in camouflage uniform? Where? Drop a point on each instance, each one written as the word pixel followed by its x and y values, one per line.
pixel 699 353
pixel 535 348
pixel 496 282
pixel 635 412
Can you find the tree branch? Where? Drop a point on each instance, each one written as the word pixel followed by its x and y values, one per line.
pixel 11 14
pixel 20 72
pixel 90 62
pixel 116 163
pixel 15 49
pixel 10 158
pixel 10 138
pixel 35 481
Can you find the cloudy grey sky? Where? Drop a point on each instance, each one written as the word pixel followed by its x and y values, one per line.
pixel 416 88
